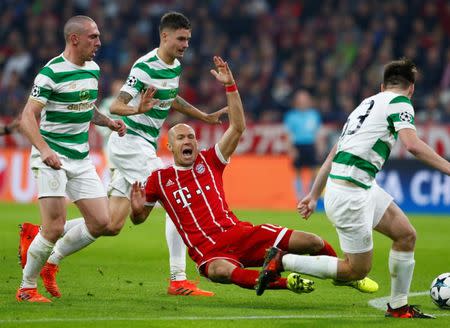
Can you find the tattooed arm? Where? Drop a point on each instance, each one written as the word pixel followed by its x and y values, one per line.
pixel 103 120
pixel 100 119
pixel 120 105
pixel 182 106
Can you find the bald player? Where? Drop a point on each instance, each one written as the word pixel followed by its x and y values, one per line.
pixel 63 96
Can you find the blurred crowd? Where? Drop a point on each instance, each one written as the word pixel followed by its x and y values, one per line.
pixel 335 50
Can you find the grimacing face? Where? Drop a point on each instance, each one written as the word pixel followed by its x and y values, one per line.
pixel 183 145
pixel 175 42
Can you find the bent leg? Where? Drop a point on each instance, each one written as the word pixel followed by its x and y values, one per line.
pixel 96 214
pixel 119 208
pixel 224 272
pixel 354 266
pixel 396 226
pixel 308 243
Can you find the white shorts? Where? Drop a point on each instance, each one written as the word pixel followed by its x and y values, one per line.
pixel 77 179
pixel 133 159
pixel 355 212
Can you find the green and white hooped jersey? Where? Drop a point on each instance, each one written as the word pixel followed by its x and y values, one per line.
pixel 369 135
pixel 150 70
pixel 68 93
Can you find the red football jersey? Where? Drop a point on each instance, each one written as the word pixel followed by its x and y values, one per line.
pixel 194 199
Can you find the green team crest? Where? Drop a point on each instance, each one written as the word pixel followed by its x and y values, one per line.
pixel 84 95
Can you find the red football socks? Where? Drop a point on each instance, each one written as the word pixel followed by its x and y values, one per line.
pixel 247 279
pixel 326 250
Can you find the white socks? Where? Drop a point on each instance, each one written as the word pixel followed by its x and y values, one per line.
pixel 401 268
pixel 177 251
pixel 38 253
pixel 318 266
pixel 72 223
pixel 75 239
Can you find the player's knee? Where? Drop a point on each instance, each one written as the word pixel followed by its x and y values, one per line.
pixel 112 229
pixel 359 272
pixel 99 227
pixel 220 274
pixel 305 243
pixel 53 232
pixel 411 237
pixel 353 271
pixel 408 239
pixel 314 244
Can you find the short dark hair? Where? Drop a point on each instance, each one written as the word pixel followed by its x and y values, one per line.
pixel 400 73
pixel 75 24
pixel 174 21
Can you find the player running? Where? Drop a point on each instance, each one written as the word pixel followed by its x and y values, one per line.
pixel 354 202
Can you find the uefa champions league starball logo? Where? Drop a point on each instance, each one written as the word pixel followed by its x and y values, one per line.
pixel 131 81
pixel 405 117
pixel 35 91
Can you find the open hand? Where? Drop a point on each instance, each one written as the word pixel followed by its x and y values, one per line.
pixel 223 73
pixel 306 207
pixel 147 101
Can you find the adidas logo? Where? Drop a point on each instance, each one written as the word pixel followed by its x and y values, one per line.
pixel 169 183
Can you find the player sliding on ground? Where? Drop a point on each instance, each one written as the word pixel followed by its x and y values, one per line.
pixel 191 191
pixel 356 204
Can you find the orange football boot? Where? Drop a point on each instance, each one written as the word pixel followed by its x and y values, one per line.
pixel 30 295
pixel 186 288
pixel 48 275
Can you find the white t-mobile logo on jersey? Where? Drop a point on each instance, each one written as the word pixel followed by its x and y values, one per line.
pixel 182 195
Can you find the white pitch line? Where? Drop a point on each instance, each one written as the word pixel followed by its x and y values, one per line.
pixel 380 303
pixel 377 303
pixel 306 316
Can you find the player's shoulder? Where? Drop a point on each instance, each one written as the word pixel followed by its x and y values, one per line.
pixel 92 65
pixel 55 60
pixel 206 151
pixel 52 64
pixel 148 57
pixel 165 169
pixel 390 98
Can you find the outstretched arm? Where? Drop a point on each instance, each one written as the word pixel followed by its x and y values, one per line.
pixel 308 204
pixel 120 104
pixel 139 211
pixel 230 139
pixel 182 106
pixel 422 151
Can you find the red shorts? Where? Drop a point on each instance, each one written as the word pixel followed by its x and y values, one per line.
pixel 245 245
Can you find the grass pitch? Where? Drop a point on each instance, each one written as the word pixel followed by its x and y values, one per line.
pixel 121 282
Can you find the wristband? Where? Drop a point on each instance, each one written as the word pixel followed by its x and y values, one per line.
pixel 231 88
